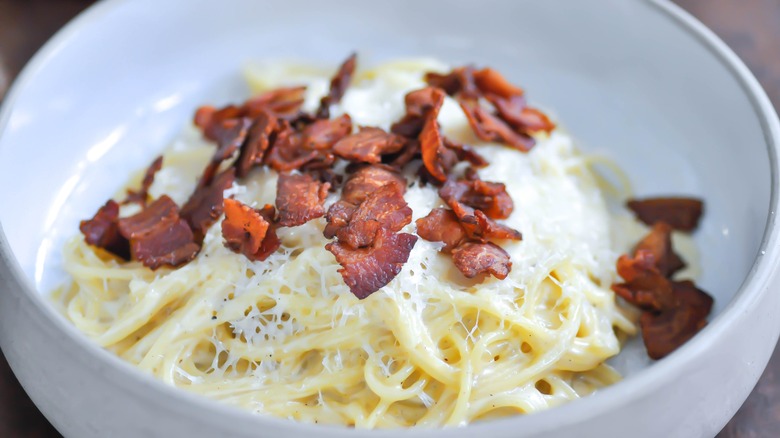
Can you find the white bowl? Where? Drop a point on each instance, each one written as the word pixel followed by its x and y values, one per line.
pixel 639 80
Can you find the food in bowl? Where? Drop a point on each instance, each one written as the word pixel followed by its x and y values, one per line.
pixel 417 247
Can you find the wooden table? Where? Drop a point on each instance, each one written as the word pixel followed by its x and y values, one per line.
pixel 750 27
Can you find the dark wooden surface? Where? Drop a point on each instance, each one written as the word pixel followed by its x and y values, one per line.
pixel 750 27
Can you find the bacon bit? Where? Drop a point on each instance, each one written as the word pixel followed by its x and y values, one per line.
pixel 299 198
pixel 366 270
pixel 367 179
pixel 681 213
pixel 473 258
pixel 102 231
pixel 434 154
pixel 667 330
pixel 489 197
pixel 659 243
pixel 466 153
pixel 322 134
pixel 367 145
pixel 205 205
pixel 284 102
pixel 258 139
pixel 158 236
pixel 459 81
pixel 338 216
pixel 384 208
pixel 142 195
pixel 271 242
pixel 490 81
pixel 287 152
pixel 418 104
pixel 211 120
pixel 441 225
pixel 488 127
pixel 338 86
pixel 244 229
pixel 645 286
pixel 514 111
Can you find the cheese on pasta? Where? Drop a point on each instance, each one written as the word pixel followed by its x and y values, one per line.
pixel 285 337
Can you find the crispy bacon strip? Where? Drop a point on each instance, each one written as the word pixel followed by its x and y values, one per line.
pixel 258 139
pixel 142 195
pixel 488 127
pixel 459 81
pixel 681 213
pixel 645 286
pixel 477 224
pixel 368 145
pixel 287 152
pixel 418 104
pixel 665 331
pixel 466 153
pixel 284 103
pixel 338 86
pixel 659 243
pixel 514 111
pixel 490 81
pixel 102 231
pixel 384 208
pixel 474 258
pixel 205 204
pixel 441 225
pixel 158 236
pixel 299 199
pixel 323 134
pixel 244 229
pixel 366 270
pixel 489 197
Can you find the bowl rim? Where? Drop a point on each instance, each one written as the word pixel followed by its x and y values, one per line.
pixel 749 293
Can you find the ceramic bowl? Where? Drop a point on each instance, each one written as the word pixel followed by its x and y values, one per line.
pixel 640 81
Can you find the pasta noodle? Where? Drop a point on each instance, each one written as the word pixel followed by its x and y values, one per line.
pixel 285 336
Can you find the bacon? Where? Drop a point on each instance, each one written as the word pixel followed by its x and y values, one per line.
pixel 299 199
pixel 435 156
pixel 102 231
pixel 466 153
pixel 473 258
pixel 205 204
pixel 489 197
pixel 459 81
pixel 258 139
pixel 158 236
pixel 338 86
pixel 384 208
pixel 142 195
pixel 323 134
pixel 211 120
pixel 490 81
pixel 441 225
pixel 513 110
pixel 287 152
pixel 338 216
pixel 659 243
pixel 230 138
pixel 366 270
pixel 681 213
pixel 368 145
pixel 282 102
pixel 366 179
pixel 243 229
pixel 665 331
pixel 645 286
pixel 488 127
pixel 418 104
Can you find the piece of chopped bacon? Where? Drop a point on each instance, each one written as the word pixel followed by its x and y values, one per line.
pixel 213 121
pixel 681 213
pixel 283 102
pixel 271 242
pixel 459 81
pixel 158 236
pixel 441 225
pixel 514 111
pixel 665 331
pixel 659 243
pixel 142 195
pixel 338 216
pixel 465 153
pixel 368 145
pixel 299 199
pixel 258 139
pixel 489 197
pixel 364 180
pixel 323 134
pixel 287 152
pixel 230 138
pixel 438 160
pixel 243 228
pixel 418 104
pixel 488 127
pixel 474 258
pixel 205 204
pixel 366 270
pixel 490 81
pixel 644 286
pixel 338 86
pixel 102 231
pixel 384 208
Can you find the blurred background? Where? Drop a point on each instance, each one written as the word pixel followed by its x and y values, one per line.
pixel 750 27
